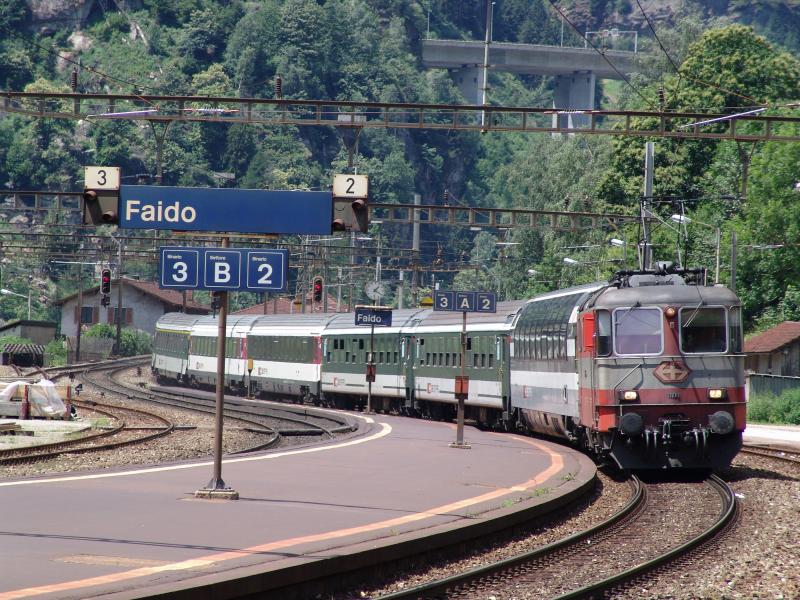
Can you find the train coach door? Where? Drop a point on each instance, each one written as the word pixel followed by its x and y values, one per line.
pixel 585 363
pixel 407 353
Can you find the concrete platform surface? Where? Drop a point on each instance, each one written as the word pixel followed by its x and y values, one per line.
pixel 139 532
pixel 783 436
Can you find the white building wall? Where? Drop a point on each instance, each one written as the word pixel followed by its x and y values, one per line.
pixel 146 310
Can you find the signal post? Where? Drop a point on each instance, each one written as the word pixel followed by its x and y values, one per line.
pixel 372 316
pixel 481 302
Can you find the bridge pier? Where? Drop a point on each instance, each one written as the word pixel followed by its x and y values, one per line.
pixel 575 91
pixel 469 80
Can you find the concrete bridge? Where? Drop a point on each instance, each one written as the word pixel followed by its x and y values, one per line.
pixel 576 69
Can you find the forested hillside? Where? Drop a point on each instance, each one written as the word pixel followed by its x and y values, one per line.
pixel 706 59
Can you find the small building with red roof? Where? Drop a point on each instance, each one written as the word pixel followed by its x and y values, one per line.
pixel 775 351
pixel 143 302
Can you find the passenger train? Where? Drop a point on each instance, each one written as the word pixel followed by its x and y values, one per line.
pixel 646 369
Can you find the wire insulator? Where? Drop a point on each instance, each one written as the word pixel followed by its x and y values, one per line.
pixel 446 198
pixel 278 87
pixel 73 79
pixel 662 97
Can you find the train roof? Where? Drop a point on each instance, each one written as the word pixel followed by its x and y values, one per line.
pixel 666 294
pixel 435 320
pixel 176 321
pixel 300 324
pixel 233 323
pixel 401 319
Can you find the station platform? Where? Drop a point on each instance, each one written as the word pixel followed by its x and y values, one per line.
pixel 141 532
pixel 784 437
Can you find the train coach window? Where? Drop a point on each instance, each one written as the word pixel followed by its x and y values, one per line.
pixel 703 329
pixel 638 331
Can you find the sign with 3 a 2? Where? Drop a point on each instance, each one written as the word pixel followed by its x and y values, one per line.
pixel 485 302
pixel 223 269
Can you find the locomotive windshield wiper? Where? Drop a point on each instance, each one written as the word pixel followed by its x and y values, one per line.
pixel 694 314
pixel 627 312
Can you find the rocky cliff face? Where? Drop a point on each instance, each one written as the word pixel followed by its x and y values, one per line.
pixel 57 14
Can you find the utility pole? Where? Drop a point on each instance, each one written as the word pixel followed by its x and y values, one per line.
pixel 415 252
pixel 646 254
pixel 80 314
pixel 118 342
pixel 485 89
pixel 400 291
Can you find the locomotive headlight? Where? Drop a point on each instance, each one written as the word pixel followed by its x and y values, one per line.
pixel 717 394
pixel 670 311
pixel 629 395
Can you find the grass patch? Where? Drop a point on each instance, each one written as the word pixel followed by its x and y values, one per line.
pixel 783 409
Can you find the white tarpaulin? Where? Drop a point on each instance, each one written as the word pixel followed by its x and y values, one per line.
pixel 42 395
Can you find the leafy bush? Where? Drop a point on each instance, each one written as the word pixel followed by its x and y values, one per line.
pixel 101 330
pixel 134 342
pixel 783 409
pixel 55 353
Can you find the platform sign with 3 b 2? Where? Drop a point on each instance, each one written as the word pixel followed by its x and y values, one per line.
pixel 223 269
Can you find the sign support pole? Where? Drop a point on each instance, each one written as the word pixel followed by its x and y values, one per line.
pixel 216 488
pixel 461 388
pixel 372 369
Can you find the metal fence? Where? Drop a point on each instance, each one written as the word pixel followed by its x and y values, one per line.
pixel 759 384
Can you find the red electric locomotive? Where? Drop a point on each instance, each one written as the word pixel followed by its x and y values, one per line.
pixel 661 371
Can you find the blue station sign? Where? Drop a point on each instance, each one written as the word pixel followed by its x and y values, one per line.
pixel 482 302
pixel 213 209
pixel 223 269
pixel 378 316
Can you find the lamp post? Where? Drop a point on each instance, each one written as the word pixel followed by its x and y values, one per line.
pixel 6 292
pixel 683 220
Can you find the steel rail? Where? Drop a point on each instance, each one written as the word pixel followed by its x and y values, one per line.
pixel 769 452
pixel 134 393
pixel 33 453
pixel 725 520
pixel 444 587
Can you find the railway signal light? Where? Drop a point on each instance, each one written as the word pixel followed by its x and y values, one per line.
pixel 350 215
pixel 100 207
pixel 101 195
pixel 317 289
pixel 105 281
pixel 350 210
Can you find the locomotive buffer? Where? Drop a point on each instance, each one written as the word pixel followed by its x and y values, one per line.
pixel 482 302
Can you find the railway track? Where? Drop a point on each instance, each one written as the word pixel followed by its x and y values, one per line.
pixel 610 555
pixel 123 431
pixel 130 425
pixel 783 456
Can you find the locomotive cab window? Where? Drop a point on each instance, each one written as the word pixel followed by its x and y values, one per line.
pixel 735 329
pixel 703 329
pixel 603 328
pixel 638 331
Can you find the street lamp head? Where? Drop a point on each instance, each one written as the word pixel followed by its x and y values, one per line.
pixel 532 272
pixel 617 242
pixel 570 261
